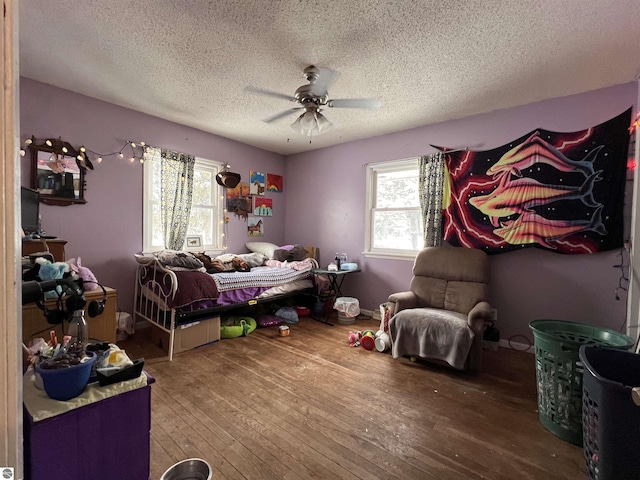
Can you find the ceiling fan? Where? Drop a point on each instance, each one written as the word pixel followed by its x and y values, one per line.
pixel 312 99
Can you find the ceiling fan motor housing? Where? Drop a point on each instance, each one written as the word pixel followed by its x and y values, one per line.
pixel 305 95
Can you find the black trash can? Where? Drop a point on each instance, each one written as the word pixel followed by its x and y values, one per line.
pixel 610 418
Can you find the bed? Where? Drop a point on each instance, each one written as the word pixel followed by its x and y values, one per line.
pixel 173 291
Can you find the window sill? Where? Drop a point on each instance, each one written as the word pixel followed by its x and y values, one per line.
pixel 391 255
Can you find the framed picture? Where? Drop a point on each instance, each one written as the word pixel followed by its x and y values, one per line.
pixel 238 200
pixel 193 242
pixel 255 227
pixel 274 182
pixel 257 183
pixel 263 206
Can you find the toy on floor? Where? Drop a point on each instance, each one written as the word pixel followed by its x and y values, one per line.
pixel 383 341
pixel 354 339
pixel 368 340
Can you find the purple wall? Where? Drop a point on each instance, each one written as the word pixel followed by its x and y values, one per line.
pixel 324 200
pixel 107 230
pixel 326 206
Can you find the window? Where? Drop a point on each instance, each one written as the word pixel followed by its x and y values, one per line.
pixel 394 219
pixel 207 216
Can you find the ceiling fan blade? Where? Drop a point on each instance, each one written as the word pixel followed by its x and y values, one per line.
pixel 281 115
pixel 269 93
pixel 326 78
pixel 370 103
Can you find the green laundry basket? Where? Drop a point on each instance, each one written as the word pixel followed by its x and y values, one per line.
pixel 559 371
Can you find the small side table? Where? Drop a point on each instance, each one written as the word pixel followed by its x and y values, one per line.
pixel 336 279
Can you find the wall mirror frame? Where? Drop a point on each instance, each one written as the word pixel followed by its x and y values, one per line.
pixel 57 172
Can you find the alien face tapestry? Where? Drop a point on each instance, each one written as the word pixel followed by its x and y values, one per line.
pixel 560 191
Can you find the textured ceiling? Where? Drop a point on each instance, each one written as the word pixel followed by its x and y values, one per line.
pixel 427 61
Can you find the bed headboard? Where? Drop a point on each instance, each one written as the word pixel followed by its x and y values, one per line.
pixel 313 252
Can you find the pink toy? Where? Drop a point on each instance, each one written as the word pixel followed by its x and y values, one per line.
pixel 354 339
pixel 89 279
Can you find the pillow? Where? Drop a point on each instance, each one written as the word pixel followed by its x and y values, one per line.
pixel 174 258
pixel 253 259
pixel 293 254
pixel 264 248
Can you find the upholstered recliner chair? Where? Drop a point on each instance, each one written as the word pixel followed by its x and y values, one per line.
pixel 444 315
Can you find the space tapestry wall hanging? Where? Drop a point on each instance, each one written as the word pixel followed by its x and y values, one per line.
pixel 559 191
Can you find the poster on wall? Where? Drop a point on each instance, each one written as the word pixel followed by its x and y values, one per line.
pixel 274 183
pixel 255 227
pixel 263 206
pixel 256 180
pixel 238 200
pixel 559 191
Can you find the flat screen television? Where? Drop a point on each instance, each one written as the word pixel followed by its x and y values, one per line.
pixel 30 211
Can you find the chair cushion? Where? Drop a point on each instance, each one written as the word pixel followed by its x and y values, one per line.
pixel 431 333
pixel 461 297
pixel 429 291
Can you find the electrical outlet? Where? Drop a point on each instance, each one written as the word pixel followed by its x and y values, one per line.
pixel 494 315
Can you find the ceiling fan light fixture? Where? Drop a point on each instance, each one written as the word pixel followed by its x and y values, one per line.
pixel 311 123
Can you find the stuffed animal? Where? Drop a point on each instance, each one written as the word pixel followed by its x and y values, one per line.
pixel 354 339
pixel 52 271
pixel 89 280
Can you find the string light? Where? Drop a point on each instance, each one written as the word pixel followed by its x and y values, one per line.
pixel 138 150
pixel 635 124
pixel 623 281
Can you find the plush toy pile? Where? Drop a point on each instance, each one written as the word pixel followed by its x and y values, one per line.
pixel 44 269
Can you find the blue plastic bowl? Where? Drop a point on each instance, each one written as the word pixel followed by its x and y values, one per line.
pixel 67 383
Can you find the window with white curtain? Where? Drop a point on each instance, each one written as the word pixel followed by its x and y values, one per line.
pixel 394 221
pixel 207 210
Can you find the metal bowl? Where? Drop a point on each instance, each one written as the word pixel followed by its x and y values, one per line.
pixel 189 469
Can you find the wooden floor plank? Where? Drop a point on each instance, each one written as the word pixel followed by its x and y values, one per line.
pixel 309 406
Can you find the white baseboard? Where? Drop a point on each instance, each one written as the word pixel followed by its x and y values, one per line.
pixel 369 313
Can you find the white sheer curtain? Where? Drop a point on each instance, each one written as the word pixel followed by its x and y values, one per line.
pixel 431 188
pixel 176 189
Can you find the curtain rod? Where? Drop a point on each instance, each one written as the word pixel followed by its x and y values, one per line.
pixel 446 150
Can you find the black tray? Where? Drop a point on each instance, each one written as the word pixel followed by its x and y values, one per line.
pixel 127 373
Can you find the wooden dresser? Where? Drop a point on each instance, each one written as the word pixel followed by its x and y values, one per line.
pixel 54 247
pixel 103 327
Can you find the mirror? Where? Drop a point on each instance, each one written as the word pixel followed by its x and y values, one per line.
pixel 57 173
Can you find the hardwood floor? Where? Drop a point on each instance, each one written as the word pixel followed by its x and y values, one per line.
pixel 309 406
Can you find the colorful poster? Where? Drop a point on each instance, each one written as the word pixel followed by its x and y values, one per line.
pixel 238 200
pixel 255 227
pixel 263 206
pixel 274 182
pixel 563 192
pixel 256 180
